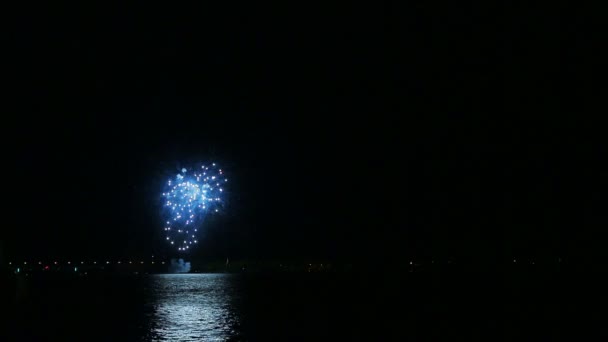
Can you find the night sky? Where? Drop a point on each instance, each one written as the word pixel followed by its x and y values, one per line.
pixel 347 133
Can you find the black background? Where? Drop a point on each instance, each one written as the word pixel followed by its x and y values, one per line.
pixel 349 132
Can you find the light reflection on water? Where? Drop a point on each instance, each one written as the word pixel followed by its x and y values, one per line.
pixel 193 307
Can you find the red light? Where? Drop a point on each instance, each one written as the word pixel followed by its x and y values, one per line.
pixel 46 268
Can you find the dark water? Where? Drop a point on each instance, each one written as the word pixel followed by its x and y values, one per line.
pixel 286 307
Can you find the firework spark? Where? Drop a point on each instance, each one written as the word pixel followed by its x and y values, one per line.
pixel 188 199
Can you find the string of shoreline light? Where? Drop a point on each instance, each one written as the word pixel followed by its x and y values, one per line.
pixel 120 262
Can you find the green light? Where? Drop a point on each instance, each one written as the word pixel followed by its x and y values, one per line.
pixel 18 269
pixel 75 269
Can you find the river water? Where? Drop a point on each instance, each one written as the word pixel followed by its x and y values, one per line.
pixel 262 307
